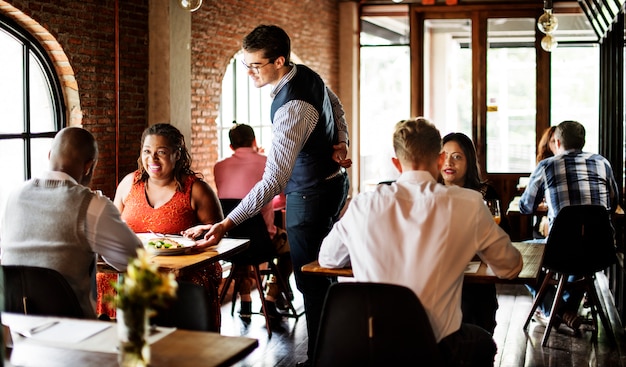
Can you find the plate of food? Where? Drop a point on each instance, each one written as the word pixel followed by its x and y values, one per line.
pixel 165 244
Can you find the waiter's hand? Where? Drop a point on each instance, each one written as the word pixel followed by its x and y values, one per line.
pixel 215 234
pixel 340 153
pixel 196 231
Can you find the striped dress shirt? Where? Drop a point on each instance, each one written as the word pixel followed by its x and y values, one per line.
pixel 292 126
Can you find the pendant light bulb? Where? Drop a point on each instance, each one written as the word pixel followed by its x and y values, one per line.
pixel 547 22
pixel 548 43
pixel 190 5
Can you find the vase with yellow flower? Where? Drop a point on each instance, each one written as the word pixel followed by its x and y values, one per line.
pixel 139 291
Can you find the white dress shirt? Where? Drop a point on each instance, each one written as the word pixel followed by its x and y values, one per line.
pixel 420 234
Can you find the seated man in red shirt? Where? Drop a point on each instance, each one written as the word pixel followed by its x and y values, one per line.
pixel 234 177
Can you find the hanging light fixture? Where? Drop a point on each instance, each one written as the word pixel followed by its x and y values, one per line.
pixel 190 5
pixel 548 43
pixel 548 23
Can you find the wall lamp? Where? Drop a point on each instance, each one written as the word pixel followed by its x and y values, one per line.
pixel 547 23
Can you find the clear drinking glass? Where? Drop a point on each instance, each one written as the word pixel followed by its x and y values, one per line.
pixel 494 208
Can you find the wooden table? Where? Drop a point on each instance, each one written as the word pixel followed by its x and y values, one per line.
pixel 180 348
pixel 522 225
pixel 184 266
pixel 532 254
pixel 195 259
pixel 200 258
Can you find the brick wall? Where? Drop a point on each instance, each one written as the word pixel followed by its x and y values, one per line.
pixel 85 31
pixel 218 28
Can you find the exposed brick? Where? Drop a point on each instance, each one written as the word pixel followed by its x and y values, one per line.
pixel 85 29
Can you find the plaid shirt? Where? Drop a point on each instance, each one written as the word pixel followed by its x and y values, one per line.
pixel 571 178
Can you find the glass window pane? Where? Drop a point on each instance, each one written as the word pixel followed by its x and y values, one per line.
pixel 385 93
pixel 384 89
pixel 448 74
pixel 12 151
pixel 43 113
pixel 243 102
pixel 511 95
pixel 225 144
pixel 11 88
pixel 41 106
pixel 384 30
pixel 575 89
pixel 264 137
pixel 39 149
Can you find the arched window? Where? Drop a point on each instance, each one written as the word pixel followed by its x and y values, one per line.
pixel 31 103
pixel 244 103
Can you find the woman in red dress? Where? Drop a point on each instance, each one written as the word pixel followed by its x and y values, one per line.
pixel 165 196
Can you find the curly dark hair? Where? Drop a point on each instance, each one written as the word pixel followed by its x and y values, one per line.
pixel 472 176
pixel 176 141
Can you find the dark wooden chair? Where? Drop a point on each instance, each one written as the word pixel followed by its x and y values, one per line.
pixel 32 290
pixel 581 243
pixel 190 310
pixel 261 251
pixel 360 326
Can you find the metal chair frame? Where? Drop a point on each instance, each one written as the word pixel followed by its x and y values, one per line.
pixel 581 243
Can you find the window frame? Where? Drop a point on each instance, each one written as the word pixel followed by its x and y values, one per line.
pixel 31 46
pixel 238 102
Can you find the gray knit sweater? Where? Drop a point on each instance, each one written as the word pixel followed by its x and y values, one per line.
pixel 45 227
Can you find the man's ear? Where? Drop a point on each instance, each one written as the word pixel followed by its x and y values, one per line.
pixel 279 62
pixel 89 167
pixel 441 160
pixel 558 145
pixel 396 163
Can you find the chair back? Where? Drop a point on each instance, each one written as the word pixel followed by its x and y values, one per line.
pixel 254 228
pixel 32 290
pixel 190 310
pixel 581 241
pixel 374 324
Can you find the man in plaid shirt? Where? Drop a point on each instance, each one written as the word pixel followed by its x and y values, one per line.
pixel 571 177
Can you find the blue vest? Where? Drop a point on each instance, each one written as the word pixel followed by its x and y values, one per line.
pixel 314 162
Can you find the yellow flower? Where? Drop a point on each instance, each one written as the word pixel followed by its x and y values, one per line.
pixel 143 285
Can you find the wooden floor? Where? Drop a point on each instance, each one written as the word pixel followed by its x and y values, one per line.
pixel 515 347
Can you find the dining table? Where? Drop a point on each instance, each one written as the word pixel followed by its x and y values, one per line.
pixel 185 264
pixel 193 258
pixel 476 272
pixel 66 342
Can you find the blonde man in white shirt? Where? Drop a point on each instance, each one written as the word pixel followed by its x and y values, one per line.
pixel 421 234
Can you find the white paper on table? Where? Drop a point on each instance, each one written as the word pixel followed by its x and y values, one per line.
pixel 61 330
pixel 70 331
pixel 472 267
pixel 23 325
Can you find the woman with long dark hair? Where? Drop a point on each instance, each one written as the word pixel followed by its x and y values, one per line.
pixel 479 301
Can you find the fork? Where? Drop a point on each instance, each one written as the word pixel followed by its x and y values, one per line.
pixel 157 234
